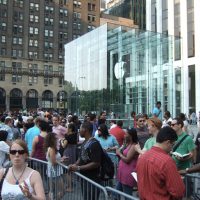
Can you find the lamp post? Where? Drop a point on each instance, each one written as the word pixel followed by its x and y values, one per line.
pixel 77 93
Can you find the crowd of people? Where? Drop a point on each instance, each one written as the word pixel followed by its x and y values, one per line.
pixel 158 150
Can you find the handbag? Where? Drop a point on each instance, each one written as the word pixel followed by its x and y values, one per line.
pixel 2 180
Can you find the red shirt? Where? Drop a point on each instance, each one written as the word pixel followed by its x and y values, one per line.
pixel 119 133
pixel 158 178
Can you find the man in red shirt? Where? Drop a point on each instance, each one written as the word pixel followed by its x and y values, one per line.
pixel 158 178
pixel 118 132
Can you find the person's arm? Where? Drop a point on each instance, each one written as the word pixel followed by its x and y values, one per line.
pixel 128 158
pixel 36 183
pixel 193 169
pixel 174 183
pixel 64 143
pixel 1 173
pixel 115 143
pixel 35 141
pixel 139 150
pixel 89 166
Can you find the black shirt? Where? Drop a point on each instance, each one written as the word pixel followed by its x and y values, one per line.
pixel 91 152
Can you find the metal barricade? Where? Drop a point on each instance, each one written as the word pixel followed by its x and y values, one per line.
pixel 192 184
pixel 41 167
pixel 67 185
pixel 83 188
pixel 118 195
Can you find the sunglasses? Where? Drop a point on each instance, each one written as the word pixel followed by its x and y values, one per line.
pixel 173 124
pixel 141 120
pixel 20 152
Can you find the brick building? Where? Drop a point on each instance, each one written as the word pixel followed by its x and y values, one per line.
pixel 32 38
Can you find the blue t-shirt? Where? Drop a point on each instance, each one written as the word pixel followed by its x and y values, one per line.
pixel 158 113
pixel 106 143
pixel 30 135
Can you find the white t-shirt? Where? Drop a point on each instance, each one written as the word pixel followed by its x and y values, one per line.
pixel 4 149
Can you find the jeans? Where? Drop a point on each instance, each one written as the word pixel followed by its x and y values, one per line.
pixel 124 188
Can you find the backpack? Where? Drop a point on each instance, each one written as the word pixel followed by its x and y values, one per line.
pixel 107 166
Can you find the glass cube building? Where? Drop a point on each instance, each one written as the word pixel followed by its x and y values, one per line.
pixel 120 69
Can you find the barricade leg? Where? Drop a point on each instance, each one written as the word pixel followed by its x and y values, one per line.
pixel 89 191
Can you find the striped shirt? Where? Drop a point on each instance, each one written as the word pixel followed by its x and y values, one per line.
pixel 158 178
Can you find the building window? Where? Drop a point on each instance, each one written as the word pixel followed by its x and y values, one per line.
pixel 48 45
pixel 48 33
pixel 77 15
pixel 49 10
pixel 33 18
pixel 91 7
pixel 3 39
pixel 16 78
pixel 3 51
pixel 16 70
pixel 3 13
pixel 3 2
pixel 48 80
pixel 62 2
pixel 75 36
pixel 17 40
pixel 60 81
pixel 33 30
pixel 190 28
pixel 48 56
pixel 32 79
pixel 77 4
pixel 63 24
pixel 33 69
pixel 33 43
pixel 48 69
pixel 48 21
pixel 63 12
pixel 3 26
pixel 18 3
pixel 33 54
pixel 17 29
pixel 18 15
pixel 34 6
pixel 17 53
pixel 90 28
pixel 91 18
pixel 2 70
pixel 153 16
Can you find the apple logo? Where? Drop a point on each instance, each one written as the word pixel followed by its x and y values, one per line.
pixel 119 69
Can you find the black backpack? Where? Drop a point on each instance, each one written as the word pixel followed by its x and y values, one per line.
pixel 107 166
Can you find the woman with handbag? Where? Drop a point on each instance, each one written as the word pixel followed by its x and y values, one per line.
pixel 20 181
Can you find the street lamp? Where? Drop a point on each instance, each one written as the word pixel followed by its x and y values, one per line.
pixel 77 93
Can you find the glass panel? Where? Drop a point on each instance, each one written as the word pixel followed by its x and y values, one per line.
pixel 119 69
pixel 178 90
pixel 192 89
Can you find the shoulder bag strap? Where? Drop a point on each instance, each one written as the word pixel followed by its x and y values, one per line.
pixel 178 144
pixel 2 180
